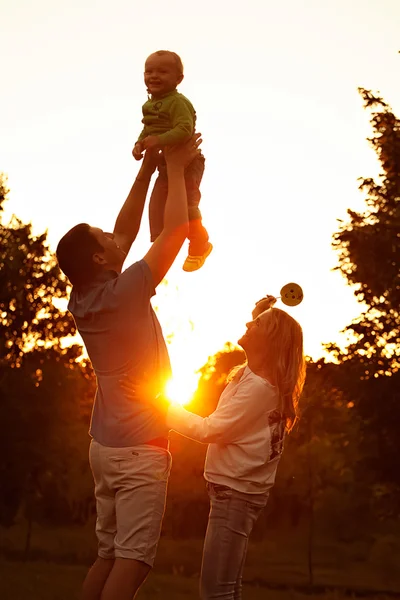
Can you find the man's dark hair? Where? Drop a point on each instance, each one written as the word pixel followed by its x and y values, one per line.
pixel 75 254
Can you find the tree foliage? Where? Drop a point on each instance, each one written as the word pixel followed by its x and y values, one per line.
pixel 30 280
pixel 213 378
pixel 42 386
pixel 368 247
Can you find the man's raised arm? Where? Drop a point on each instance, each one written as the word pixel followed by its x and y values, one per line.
pixel 176 225
pixel 128 221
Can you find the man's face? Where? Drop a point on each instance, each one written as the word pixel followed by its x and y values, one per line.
pixel 112 256
pixel 161 74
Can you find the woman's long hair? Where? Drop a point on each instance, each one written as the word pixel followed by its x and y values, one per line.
pixel 284 361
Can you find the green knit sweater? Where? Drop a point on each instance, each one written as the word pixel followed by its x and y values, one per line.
pixel 171 117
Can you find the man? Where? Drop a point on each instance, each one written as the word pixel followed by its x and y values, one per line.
pixel 129 453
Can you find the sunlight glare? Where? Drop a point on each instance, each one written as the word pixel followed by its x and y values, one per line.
pixel 180 390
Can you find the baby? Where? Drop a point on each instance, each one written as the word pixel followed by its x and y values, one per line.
pixel 169 118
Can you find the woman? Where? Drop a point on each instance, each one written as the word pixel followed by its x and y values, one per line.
pixel 245 436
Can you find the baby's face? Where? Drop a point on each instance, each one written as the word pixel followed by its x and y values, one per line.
pixel 161 74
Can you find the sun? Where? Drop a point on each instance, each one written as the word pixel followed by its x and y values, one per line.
pixel 181 388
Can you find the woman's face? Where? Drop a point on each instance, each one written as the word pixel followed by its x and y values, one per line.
pixel 254 340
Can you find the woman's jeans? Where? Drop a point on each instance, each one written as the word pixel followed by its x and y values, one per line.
pixel 231 520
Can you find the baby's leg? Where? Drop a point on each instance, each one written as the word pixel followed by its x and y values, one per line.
pixel 198 236
pixel 158 199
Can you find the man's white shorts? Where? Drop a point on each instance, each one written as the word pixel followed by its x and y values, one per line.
pixel 130 489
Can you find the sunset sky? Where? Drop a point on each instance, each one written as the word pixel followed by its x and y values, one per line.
pixel 274 85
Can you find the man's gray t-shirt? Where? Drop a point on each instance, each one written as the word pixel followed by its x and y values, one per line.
pixel 122 336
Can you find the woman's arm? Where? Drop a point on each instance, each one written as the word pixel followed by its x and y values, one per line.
pixel 262 305
pixel 227 424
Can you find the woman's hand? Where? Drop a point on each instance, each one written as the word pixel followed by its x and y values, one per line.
pixel 262 305
pixel 144 391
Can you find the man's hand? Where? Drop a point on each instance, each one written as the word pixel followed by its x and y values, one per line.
pixel 181 155
pixel 137 151
pixel 262 305
pixel 151 141
pixel 166 247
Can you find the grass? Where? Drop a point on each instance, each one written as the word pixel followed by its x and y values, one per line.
pixel 48 581
pixel 59 558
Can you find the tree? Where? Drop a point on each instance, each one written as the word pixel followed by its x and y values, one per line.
pixel 316 476
pixel 41 382
pixel 368 247
pixel 213 378
pixel 30 280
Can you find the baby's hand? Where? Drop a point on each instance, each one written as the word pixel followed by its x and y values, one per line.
pixel 138 151
pixel 151 141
